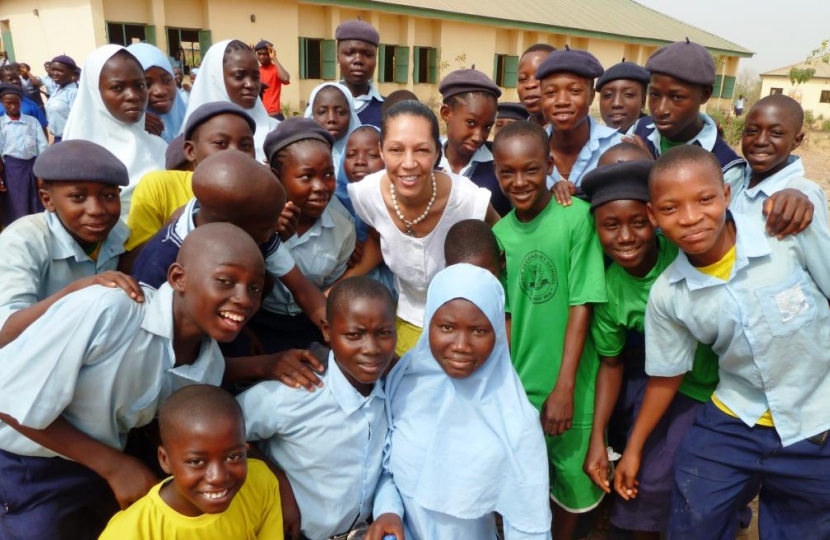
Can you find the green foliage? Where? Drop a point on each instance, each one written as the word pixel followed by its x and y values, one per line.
pixel 825 126
pixel 732 126
pixel 801 75
pixel 809 119
pixel 821 53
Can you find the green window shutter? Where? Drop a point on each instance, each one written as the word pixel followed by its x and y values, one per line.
pixel 205 41
pixel 381 63
pixel 416 64
pixel 728 87
pixel 496 68
pixel 511 71
pixel 150 34
pixel 329 59
pixel 716 86
pixel 303 58
pixel 402 65
pixel 8 46
pixel 432 59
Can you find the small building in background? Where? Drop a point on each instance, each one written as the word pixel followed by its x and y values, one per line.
pixel 814 95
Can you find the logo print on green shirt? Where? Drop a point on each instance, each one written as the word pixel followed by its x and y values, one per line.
pixel 538 277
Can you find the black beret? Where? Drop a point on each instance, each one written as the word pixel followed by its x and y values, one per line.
pixel 295 129
pixel 207 111
pixel 66 60
pixel 174 159
pixel 79 160
pixel 684 60
pixel 628 71
pixel 569 60
pixel 516 111
pixel 626 180
pixel 462 81
pixel 263 44
pixel 8 88
pixel 359 30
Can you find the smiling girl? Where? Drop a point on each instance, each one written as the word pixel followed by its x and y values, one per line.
pixel 165 106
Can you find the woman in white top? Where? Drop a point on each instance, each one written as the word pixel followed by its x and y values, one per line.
pixel 409 207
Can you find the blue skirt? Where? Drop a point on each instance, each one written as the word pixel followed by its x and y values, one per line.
pixel 21 197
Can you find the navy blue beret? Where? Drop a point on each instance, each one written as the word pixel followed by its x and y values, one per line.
pixel 516 111
pixel 569 60
pixel 462 81
pixel 174 159
pixel 263 44
pixel 295 129
pixel 628 71
pixel 65 60
pixel 79 160
pixel 684 60
pixel 8 88
pixel 207 111
pixel 626 180
pixel 359 30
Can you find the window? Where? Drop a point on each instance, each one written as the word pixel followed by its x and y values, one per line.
pixel 505 70
pixel 425 65
pixel 318 59
pixel 728 87
pixel 186 45
pixel 127 34
pixel 393 64
pixel 773 91
pixel 825 96
pixel 6 37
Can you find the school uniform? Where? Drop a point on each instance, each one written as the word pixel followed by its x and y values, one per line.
pixel 40 258
pixel 30 107
pixel 58 107
pixel 329 443
pixel 768 324
pixel 338 147
pixel 49 85
pixel 106 366
pixel 156 197
pixel 368 106
pixel 21 141
pixel 601 139
pixel 481 170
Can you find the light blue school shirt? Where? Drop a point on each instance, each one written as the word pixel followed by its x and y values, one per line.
pixel 184 94
pixel 322 255
pixel 58 107
pixel 38 258
pixel 102 361
pixel 769 324
pixel 601 138
pixel 49 84
pixel 328 442
pixel 22 138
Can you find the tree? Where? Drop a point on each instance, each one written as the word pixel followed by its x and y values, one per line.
pixel 801 75
pixel 821 53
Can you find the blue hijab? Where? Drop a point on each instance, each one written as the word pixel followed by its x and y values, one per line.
pixel 342 192
pixel 150 57
pixel 480 449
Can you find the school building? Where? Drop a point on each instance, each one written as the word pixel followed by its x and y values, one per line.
pixel 421 41
pixel 814 95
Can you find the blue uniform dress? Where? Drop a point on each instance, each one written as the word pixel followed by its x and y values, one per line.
pixel 481 170
pixel 368 106
pixel 768 323
pixel 58 108
pixel 601 138
pixel 21 141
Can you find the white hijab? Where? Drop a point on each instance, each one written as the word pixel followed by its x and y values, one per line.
pixel 483 450
pixel 339 148
pixel 210 86
pixel 91 121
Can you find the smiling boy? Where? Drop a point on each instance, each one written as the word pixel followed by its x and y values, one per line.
pixel 357 51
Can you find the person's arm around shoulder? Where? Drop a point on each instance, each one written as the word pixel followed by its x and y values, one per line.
pixel 388 511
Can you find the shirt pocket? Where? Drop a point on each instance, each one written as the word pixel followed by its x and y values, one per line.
pixel 788 306
pixel 319 267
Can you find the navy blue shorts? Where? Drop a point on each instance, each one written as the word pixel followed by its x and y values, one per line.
pixel 51 499
pixel 723 463
pixel 650 510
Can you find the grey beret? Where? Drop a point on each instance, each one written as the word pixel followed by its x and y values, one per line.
pixel 462 81
pixel 66 60
pixel 569 60
pixel 263 44
pixel 516 111
pixel 359 30
pixel 174 159
pixel 628 71
pixel 8 88
pixel 215 108
pixel 684 60
pixel 626 180
pixel 295 129
pixel 79 160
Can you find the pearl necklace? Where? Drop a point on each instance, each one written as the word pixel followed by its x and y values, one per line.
pixel 409 224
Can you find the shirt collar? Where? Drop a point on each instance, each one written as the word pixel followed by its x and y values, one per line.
pixel 368 96
pixel 64 246
pixel 751 242
pixel 158 314
pixel 349 399
pixel 706 138
pixel 776 182
pixel 187 221
pixel 482 155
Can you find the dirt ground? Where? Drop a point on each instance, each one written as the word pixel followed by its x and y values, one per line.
pixel 815 152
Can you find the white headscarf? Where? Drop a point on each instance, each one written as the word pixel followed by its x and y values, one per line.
pixel 151 56
pixel 210 86
pixel 483 450
pixel 91 121
pixel 339 148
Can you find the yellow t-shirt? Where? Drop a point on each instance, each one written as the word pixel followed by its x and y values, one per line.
pixel 155 198
pixel 254 514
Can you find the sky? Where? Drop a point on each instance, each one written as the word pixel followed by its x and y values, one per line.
pixel 780 32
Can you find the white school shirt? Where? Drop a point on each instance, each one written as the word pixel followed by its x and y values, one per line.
pixel 59 106
pixel 600 139
pixel 328 442
pixel 38 258
pixel 102 361
pixel 360 102
pixel 22 138
pixel 322 255
pixel 482 155
pixel 414 261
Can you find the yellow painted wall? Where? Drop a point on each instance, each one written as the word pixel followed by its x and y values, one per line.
pixel 185 14
pixel 128 11
pixel 807 94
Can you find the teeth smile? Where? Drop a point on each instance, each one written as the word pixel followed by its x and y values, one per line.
pixel 214 494
pixel 232 316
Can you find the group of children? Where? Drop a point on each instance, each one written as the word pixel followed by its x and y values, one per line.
pixel 344 325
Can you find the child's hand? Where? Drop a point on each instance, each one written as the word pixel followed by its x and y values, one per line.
pixel 562 191
pixel 289 219
pixel 357 254
pixel 558 411
pixel 596 465
pixel 112 279
pixel 130 480
pixel 788 211
pixel 296 368
pixel 2 183
pixel 625 477
pixel 384 526
pixel 153 124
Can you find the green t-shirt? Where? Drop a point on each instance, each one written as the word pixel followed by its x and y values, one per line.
pixel 626 309
pixel 552 263
pixel 666 145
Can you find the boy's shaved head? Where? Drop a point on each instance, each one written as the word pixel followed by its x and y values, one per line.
pixel 350 289
pixel 470 239
pixel 524 128
pixel 196 405
pixel 684 155
pixel 539 47
pixel 792 108
pixel 624 151
pixel 221 238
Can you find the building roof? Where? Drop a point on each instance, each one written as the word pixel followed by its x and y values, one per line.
pixel 610 19
pixel 822 69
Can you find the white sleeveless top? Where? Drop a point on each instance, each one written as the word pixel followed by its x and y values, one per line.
pixel 415 261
